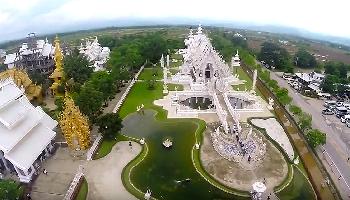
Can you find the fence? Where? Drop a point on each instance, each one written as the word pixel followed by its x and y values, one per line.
pixel 73 186
pixel 94 147
pixel 121 100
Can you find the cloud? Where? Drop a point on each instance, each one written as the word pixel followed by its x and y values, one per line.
pixel 19 16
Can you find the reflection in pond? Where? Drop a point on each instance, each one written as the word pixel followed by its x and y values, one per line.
pixel 240 103
pixel 201 103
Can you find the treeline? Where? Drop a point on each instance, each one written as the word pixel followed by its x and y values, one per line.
pixel 227 44
pixel 278 57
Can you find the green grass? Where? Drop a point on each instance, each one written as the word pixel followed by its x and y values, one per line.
pixel 140 94
pixel 148 74
pixel 173 71
pixel 83 191
pixel 247 84
pixel 171 87
pixel 107 145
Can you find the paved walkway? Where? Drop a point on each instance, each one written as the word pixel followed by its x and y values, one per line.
pixel 277 133
pixel 61 168
pixel 104 175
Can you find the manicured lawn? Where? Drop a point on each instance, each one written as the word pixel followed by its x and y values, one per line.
pixel 171 87
pixel 173 71
pixel 151 73
pixel 248 82
pixel 107 145
pixel 140 94
pixel 83 191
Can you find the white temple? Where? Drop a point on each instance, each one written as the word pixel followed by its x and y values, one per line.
pixel 203 66
pixel 95 53
pixel 26 133
pixel 207 81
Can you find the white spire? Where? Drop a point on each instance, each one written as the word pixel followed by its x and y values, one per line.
pixel 200 29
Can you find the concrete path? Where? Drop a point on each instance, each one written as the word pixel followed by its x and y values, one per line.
pixel 61 168
pixel 104 175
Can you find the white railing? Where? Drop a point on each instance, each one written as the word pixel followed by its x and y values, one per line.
pixel 121 100
pixel 74 184
pixel 94 147
pixel 220 112
pixel 331 163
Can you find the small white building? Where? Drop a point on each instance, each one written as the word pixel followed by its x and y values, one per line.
pixel 26 133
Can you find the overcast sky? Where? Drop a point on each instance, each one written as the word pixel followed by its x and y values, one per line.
pixel 18 17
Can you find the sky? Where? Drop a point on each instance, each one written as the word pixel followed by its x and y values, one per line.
pixel 19 17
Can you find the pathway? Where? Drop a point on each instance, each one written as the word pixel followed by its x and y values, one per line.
pixel 104 175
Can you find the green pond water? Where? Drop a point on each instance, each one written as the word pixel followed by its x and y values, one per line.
pixel 164 170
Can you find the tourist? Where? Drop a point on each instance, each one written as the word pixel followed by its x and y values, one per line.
pixel 45 171
pixel 264 181
pixel 339 177
pixel 28 196
pixel 130 145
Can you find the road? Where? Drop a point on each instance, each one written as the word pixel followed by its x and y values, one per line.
pixel 337 137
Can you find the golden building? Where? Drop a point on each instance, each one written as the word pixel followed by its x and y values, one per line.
pixel 74 125
pixel 22 80
pixel 57 74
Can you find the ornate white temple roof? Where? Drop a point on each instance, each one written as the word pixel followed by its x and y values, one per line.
pixel 95 53
pixel 25 131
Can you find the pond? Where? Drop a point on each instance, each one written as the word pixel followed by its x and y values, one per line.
pixel 165 171
pixel 197 102
pixel 299 188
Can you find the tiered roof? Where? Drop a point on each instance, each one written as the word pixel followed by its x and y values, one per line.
pixel 25 131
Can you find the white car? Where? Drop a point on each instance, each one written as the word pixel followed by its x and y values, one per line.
pixel 344 118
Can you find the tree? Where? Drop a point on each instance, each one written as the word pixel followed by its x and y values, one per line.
pixel 103 82
pixel 274 55
pixel 304 59
pixel 37 77
pixel 153 47
pixel 315 138
pixel 329 84
pixel 10 190
pixel 295 109
pixel 76 66
pixel 89 100
pixel 282 96
pixel 273 84
pixel 109 124
pixel 151 84
pixel 305 121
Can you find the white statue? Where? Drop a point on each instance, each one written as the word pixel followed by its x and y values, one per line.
pixel 271 103
pixel 167 60
pixel 162 61
pixel 148 194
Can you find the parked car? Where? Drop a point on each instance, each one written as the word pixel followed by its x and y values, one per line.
pixel 344 118
pixel 339 103
pixel 327 112
pixel 347 122
pixel 329 103
pixel 341 111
